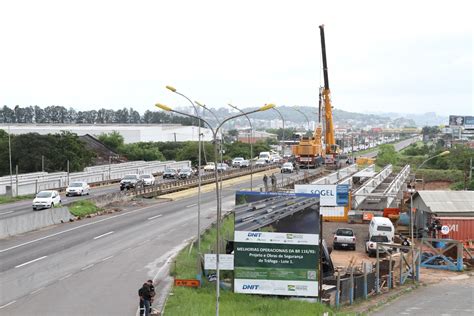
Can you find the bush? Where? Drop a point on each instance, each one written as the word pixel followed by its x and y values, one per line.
pixel 83 208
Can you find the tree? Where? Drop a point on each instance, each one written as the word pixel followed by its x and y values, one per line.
pixel 142 151
pixel 386 155
pixel 113 140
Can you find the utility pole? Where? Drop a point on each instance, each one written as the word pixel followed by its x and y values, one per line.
pixel 10 157
pixel 67 167
pixel 16 191
pixel 42 163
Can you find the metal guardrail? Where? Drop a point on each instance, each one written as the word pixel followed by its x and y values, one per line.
pixel 178 185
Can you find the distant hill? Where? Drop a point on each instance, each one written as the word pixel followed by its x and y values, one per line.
pixel 425 119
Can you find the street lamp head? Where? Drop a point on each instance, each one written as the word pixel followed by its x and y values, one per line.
pixel 444 153
pixel 163 107
pixel 171 88
pixel 267 107
pixel 201 105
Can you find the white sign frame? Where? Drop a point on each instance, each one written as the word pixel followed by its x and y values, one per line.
pixel 226 261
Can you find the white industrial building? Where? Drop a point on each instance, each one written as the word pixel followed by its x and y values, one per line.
pixel 131 133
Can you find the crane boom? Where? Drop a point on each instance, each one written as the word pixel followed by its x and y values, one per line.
pixel 329 137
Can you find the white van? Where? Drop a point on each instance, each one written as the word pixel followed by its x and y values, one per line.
pixel 381 226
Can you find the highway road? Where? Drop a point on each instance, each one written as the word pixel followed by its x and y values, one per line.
pixel 22 207
pixel 95 266
pixel 398 146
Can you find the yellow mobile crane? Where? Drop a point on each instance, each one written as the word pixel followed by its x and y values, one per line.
pixel 332 150
pixel 310 152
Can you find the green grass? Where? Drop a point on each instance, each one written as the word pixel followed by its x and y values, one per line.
pixel 10 199
pixel 83 208
pixel 190 301
pixel 197 302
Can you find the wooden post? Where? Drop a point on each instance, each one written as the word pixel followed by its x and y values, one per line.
pixel 390 272
pixel 377 275
pixel 338 288
pixel 365 285
pixel 401 267
pixel 351 298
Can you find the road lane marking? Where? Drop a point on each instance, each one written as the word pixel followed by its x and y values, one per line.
pixel 34 260
pixel 100 236
pixel 74 228
pixel 34 292
pixel 7 304
pixel 8 212
pixel 191 205
pixel 87 267
pixel 153 217
pixel 65 277
pixel 107 258
pixel 144 242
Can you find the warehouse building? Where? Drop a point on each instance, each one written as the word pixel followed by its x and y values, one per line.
pixel 132 133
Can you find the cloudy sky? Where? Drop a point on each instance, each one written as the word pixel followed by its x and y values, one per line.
pixel 397 56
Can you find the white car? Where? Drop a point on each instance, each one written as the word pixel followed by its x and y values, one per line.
pixel 209 167
pixel 261 162
pixel 371 245
pixel 222 167
pixel 287 167
pixel 77 188
pixel 240 162
pixel 148 179
pixel 46 199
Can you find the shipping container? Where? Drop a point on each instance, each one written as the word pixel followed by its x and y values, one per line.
pixel 460 228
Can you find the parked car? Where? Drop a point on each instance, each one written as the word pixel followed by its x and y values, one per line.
pixel 222 166
pixel 382 226
pixel 148 179
pixel 77 188
pixel 209 167
pixel 371 245
pixel 287 168
pixel 240 162
pixel 275 159
pixel 344 238
pixel 130 181
pixel 46 199
pixel 170 173
pixel 185 173
pixel 261 162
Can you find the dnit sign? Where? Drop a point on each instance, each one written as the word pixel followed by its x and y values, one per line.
pixel 445 229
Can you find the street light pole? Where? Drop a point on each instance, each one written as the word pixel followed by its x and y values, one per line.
pixel 222 138
pixel 283 134
pixel 219 205
pixel 199 165
pixel 10 158
pixel 250 142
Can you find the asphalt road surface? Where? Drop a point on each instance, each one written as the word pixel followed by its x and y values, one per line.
pixel 446 298
pixel 398 146
pixel 95 266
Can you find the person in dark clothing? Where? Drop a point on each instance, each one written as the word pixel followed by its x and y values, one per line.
pixel 274 182
pixel 152 292
pixel 145 299
pixel 265 182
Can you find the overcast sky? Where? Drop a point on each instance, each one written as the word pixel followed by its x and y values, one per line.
pixel 390 56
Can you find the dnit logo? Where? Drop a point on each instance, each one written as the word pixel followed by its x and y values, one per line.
pixel 254 234
pixel 250 287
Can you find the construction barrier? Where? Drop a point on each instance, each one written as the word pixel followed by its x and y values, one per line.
pixel 20 224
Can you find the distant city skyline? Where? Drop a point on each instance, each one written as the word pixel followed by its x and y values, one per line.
pixel 404 56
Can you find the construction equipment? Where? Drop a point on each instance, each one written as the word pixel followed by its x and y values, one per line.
pixel 332 150
pixel 310 152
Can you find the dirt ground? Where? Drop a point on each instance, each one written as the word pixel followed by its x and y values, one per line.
pixel 341 258
pixel 436 185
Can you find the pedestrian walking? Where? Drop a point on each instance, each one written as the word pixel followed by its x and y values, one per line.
pixel 265 182
pixel 145 299
pixel 152 293
pixel 274 182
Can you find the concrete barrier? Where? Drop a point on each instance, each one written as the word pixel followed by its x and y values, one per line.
pixel 16 225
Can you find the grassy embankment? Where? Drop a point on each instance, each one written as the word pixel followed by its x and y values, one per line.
pixel 201 301
pixel 83 208
pixel 10 199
